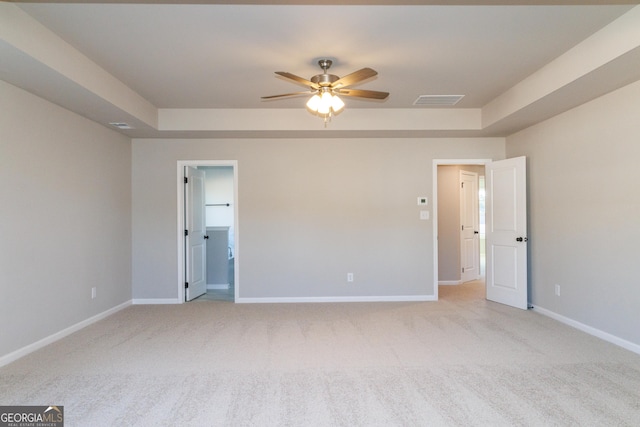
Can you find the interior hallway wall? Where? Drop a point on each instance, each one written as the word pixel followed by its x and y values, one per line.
pixel 310 211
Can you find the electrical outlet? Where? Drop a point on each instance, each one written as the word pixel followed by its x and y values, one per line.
pixel 349 277
pixel 557 290
pixel 93 292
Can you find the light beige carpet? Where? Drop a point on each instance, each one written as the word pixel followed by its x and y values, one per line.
pixel 461 361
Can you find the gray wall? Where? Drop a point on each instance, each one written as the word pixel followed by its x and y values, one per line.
pixel 584 212
pixel 65 189
pixel 310 211
pixel 448 223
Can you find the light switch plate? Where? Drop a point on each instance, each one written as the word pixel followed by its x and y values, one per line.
pixel 423 201
pixel 424 215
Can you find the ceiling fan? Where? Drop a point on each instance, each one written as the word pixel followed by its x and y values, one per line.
pixel 325 87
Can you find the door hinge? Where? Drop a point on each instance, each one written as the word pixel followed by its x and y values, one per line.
pixel 186 285
pixel 186 180
pixel 463 269
pixel 186 232
pixel 462 185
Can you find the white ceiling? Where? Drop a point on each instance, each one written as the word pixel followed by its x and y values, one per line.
pixel 223 56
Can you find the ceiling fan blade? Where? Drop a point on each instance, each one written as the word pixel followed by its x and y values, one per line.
pixel 298 79
pixel 355 77
pixel 284 95
pixel 373 94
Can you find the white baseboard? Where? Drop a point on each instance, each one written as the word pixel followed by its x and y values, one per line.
pixel 449 282
pixel 403 298
pixel 13 356
pixel 151 301
pixel 222 286
pixel 628 345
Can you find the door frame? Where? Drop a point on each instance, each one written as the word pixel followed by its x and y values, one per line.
pixel 436 163
pixel 181 216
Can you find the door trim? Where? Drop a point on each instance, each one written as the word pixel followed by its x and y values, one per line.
pixel 435 164
pixel 180 224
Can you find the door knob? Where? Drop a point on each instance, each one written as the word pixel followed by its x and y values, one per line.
pixel 521 239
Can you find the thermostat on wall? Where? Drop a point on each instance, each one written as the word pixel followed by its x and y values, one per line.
pixel 423 201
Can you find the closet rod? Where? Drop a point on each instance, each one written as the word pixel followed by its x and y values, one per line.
pixel 219 204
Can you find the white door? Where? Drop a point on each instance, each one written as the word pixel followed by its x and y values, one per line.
pixel 469 243
pixel 195 234
pixel 506 232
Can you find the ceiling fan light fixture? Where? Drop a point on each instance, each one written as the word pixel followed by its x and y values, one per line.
pixel 325 103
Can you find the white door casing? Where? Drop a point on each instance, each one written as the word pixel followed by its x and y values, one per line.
pixel 469 242
pixel 506 232
pixel 195 235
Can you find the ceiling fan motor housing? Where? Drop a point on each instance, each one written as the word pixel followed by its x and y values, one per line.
pixel 324 79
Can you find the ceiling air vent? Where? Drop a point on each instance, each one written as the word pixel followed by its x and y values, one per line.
pixel 438 100
pixel 120 125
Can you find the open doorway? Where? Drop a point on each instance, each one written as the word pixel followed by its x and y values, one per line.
pixel 459 226
pixel 220 210
pixel 220 226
